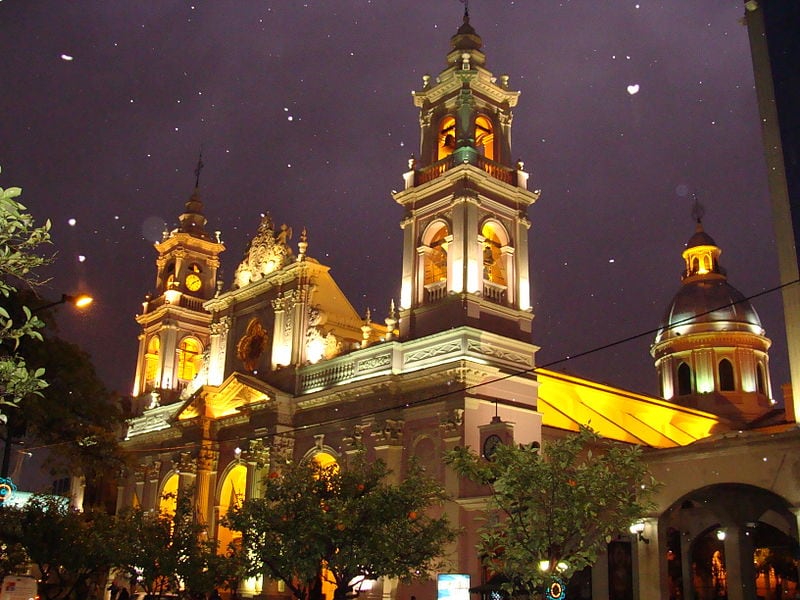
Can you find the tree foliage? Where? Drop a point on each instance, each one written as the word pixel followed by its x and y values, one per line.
pixel 342 525
pixel 20 242
pixel 75 415
pixel 164 552
pixel 70 548
pixel 13 558
pixel 561 504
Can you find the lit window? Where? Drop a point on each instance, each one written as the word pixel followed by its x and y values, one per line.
pixel 436 258
pixel 493 268
pixel 484 137
pixel 447 138
pixel 151 361
pixel 189 358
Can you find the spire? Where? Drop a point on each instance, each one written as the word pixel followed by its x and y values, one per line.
pixel 192 220
pixel 466 38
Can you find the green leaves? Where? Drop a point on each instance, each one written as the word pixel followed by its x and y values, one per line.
pixel 351 519
pixel 558 504
pixel 20 240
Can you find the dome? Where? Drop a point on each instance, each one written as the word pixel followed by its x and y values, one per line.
pixel 700 238
pixel 708 305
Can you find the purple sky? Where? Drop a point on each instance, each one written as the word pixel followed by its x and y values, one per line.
pixel 304 110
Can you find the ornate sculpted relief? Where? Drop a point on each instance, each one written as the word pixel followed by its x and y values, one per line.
pixel 268 251
pixel 252 344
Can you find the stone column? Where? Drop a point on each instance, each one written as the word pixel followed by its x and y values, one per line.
pixel 206 479
pixel 647 576
pixel 77 489
pixel 686 566
pixel 256 457
pixel 186 468
pixel 739 563
pixel 139 477
pixel 152 501
pixel 389 447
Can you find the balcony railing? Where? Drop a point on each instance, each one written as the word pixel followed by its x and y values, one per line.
pixel 438 168
pixel 494 292
pixel 183 301
pixel 436 291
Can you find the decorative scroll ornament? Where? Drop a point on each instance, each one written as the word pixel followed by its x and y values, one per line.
pixel 268 251
pixel 252 344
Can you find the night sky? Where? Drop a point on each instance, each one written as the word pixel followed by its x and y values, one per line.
pixel 304 109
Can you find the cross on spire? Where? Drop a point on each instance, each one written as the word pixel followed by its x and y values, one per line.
pixel 198 169
pixel 466 9
pixel 698 211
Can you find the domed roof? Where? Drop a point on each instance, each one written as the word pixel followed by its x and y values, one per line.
pixel 708 305
pixel 700 238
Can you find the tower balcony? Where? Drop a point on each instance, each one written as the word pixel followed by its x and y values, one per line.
pixel 178 299
pixel 495 169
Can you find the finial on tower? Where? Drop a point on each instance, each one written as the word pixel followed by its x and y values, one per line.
pixel 466 10
pixel 199 168
pixel 698 211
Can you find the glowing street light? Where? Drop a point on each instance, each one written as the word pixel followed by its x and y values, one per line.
pixel 78 301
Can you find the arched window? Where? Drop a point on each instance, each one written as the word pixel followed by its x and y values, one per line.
pixel 190 355
pixel 761 380
pixel 151 362
pixel 447 138
pixel 684 379
pixel 726 382
pixel 484 137
pixel 695 265
pixel 494 238
pixel 436 258
pixel 169 277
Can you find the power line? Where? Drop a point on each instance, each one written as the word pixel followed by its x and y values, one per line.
pixel 519 373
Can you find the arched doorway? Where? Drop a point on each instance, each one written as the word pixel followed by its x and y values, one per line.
pixel 731 541
pixel 231 494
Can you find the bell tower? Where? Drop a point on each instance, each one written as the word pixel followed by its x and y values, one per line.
pixel 175 326
pixel 465 242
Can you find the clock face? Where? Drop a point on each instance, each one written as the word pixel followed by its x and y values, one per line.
pixel 490 444
pixel 193 282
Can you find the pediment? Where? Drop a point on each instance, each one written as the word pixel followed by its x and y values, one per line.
pixel 237 393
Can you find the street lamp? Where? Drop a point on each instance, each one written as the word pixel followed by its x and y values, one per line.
pixel 78 301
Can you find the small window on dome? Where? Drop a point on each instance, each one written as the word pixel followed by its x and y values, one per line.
pixel 726 381
pixel 761 380
pixel 684 379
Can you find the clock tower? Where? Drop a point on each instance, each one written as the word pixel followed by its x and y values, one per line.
pixel 175 326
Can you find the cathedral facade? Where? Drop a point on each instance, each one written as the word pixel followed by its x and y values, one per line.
pixel 236 377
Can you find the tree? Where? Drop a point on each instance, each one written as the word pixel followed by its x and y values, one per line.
pixel 342 525
pixel 71 549
pixel 552 510
pixel 20 239
pixel 75 415
pixel 13 558
pixel 171 552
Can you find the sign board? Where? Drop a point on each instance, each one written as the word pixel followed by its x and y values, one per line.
pixel 18 588
pixel 452 586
